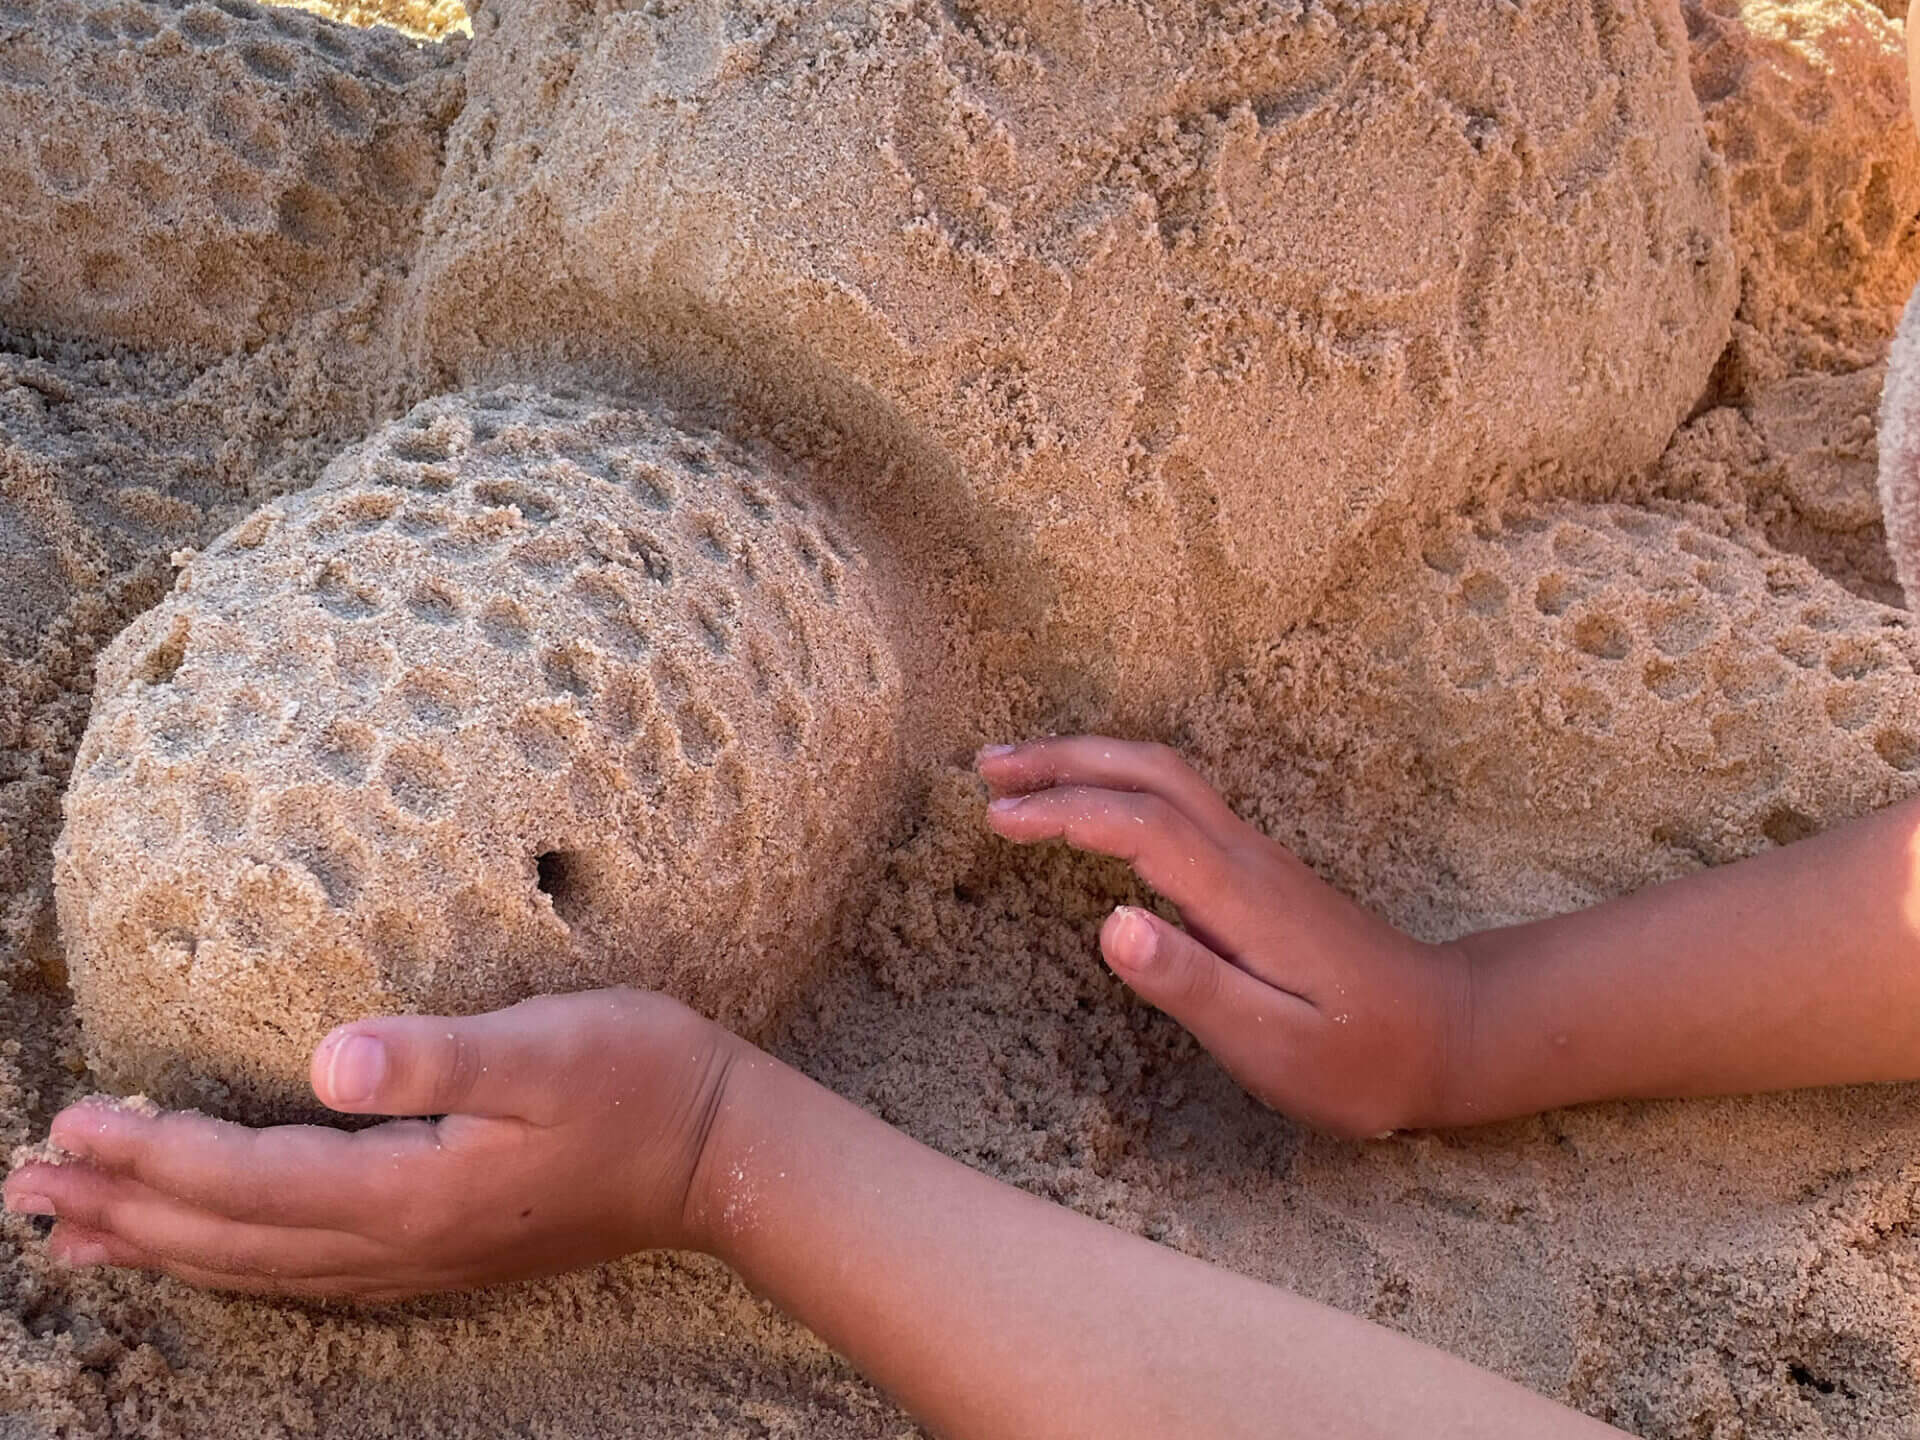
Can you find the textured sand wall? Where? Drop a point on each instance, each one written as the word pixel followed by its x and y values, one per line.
pixel 1092 276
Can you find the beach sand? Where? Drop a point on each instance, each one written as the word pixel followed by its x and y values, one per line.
pixel 1452 425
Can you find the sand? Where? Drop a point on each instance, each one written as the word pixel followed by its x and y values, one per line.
pixel 527 694
pixel 1452 424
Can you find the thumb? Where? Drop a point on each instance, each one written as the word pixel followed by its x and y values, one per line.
pixel 1243 1022
pixel 504 1064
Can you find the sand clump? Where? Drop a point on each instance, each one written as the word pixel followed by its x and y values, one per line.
pixel 203 174
pixel 1807 106
pixel 527 694
pixel 1450 423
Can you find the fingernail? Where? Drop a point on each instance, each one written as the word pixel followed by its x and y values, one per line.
pixel 24 1204
pixel 994 752
pixel 85 1252
pixel 354 1073
pixel 1006 803
pixel 1134 940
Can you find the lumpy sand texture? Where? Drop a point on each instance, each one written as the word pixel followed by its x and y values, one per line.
pixel 1450 422
pixel 527 694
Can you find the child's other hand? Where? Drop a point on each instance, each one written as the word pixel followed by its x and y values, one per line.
pixel 573 1131
pixel 1316 1007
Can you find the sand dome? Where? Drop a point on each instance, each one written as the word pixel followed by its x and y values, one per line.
pixel 527 694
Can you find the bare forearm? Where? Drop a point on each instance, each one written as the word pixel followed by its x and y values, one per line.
pixel 1798 967
pixel 988 1312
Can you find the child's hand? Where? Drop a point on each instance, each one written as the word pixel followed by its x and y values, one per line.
pixel 573 1131
pixel 1315 1006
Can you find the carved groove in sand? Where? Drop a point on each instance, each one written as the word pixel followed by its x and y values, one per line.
pixel 527 694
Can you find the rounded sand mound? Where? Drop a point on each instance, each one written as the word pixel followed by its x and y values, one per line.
pixel 1598 695
pixel 200 174
pixel 1226 285
pixel 526 695
pixel 1806 106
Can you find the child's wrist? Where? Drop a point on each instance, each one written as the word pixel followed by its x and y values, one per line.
pixel 1453 1091
pixel 720 1190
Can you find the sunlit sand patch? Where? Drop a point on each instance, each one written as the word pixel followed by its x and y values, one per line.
pixel 436 20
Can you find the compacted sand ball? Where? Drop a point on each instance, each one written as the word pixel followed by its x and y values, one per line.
pixel 527 694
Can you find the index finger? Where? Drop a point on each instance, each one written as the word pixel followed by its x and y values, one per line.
pixel 1099 762
pixel 301 1175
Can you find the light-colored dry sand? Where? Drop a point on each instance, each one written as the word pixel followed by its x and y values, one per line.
pixel 1447 427
pixel 527 694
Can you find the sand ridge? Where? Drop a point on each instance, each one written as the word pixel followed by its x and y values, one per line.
pixel 1023 344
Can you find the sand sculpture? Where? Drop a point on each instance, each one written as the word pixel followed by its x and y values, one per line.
pixel 1453 423
pixel 526 694
pixel 1078 297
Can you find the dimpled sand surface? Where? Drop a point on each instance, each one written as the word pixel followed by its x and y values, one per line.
pixel 527 694
pixel 1452 423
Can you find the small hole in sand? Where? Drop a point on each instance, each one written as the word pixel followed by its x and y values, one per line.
pixel 419 780
pixel 506 625
pixel 804 547
pixel 1802 1376
pixel 204 28
pixel 1443 555
pixel 367 511
pixel 163 662
pixel 651 557
pixel 703 734
pixel 1784 825
pixel 715 539
pixel 651 485
pixel 1853 659
pixel 274 63
pixel 1484 594
pixel 436 698
pixel 436 603
pixel 1603 637
pixel 1554 594
pixel 345 750
pixel 420 447
pixel 551 558
pixel 334 860
pixel 1802 647
pixel 345 104
pixel 1851 706
pixel 1634 522
pixel 544 737
pixel 569 670
pixel 338 592
pixel 1670 682
pixel 1586 708
pixel 532 505
pixel 310 217
pixel 565 877
pixel 1898 749
pixel 1678 626
pixel 758 504
pixel 1580 547
pixel 714 630
pixel 696 456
